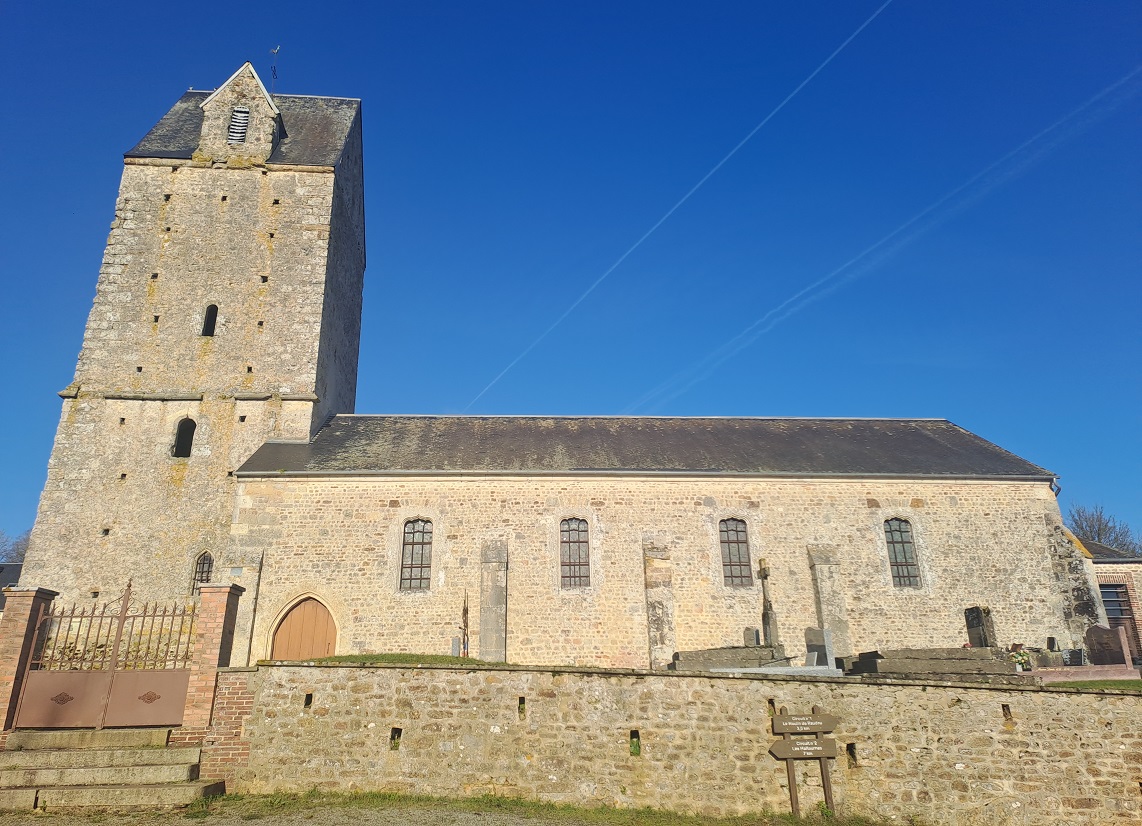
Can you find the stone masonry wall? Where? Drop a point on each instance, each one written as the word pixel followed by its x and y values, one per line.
pixel 112 470
pixel 254 243
pixel 250 241
pixel 339 345
pixel 953 755
pixel 340 540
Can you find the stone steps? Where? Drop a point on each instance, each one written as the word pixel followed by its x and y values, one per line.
pixel 87 758
pixel 105 769
pixel 107 738
pixel 136 773
pixel 139 796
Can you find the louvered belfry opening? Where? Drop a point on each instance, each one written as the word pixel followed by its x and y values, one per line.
pixel 239 123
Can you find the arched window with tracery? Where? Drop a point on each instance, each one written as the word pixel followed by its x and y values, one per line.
pixel 901 553
pixel 574 554
pixel 416 556
pixel 737 571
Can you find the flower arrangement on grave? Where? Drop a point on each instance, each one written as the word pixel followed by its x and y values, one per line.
pixel 1021 658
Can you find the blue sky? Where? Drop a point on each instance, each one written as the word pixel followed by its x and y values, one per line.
pixel 986 153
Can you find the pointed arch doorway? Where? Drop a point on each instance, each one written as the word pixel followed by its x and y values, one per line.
pixel 306 632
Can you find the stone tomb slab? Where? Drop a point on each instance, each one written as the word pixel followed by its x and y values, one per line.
pixel 1106 646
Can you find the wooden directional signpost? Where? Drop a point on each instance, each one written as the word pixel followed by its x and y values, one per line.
pixel 816 747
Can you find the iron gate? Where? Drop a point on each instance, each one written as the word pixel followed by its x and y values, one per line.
pixel 119 664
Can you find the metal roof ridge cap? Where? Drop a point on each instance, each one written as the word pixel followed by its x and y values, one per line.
pixel 316 97
pixel 959 477
pixel 626 416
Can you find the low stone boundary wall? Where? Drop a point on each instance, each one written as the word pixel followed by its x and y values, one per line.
pixel 944 753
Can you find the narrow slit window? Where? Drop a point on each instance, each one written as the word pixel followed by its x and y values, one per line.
pixel 736 569
pixel 239 123
pixel 183 439
pixel 416 556
pixel 203 571
pixel 902 553
pixel 210 320
pixel 574 554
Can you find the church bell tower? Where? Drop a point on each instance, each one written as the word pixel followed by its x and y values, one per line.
pixel 227 313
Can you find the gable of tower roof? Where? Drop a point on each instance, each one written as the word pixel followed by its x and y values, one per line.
pixel 315 130
pixel 233 77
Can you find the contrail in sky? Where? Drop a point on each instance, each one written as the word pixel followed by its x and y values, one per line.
pixel 969 192
pixel 681 201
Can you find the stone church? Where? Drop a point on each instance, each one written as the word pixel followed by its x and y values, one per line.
pixel 209 436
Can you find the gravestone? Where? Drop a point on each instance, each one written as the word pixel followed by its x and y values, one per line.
pixel 1072 656
pixel 1106 646
pixel 819 647
pixel 981 632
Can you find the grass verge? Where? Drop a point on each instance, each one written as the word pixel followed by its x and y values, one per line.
pixel 276 806
pixel 1118 685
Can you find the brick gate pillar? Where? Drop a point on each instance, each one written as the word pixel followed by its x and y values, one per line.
pixel 23 608
pixel 214 639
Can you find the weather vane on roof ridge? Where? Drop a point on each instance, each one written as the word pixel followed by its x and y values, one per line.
pixel 274 67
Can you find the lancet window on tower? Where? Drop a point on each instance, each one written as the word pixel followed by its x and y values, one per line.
pixel 210 320
pixel 203 570
pixel 184 439
pixel 239 123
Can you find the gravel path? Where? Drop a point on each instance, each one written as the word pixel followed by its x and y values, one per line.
pixel 404 814
pixel 323 816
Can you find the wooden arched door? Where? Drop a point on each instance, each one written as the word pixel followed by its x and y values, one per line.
pixel 305 633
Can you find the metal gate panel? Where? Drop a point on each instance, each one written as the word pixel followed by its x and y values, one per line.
pixel 121 664
pixel 63 699
pixel 147 698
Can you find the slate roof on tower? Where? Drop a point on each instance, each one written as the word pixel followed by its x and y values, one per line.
pixel 382 445
pixel 314 129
